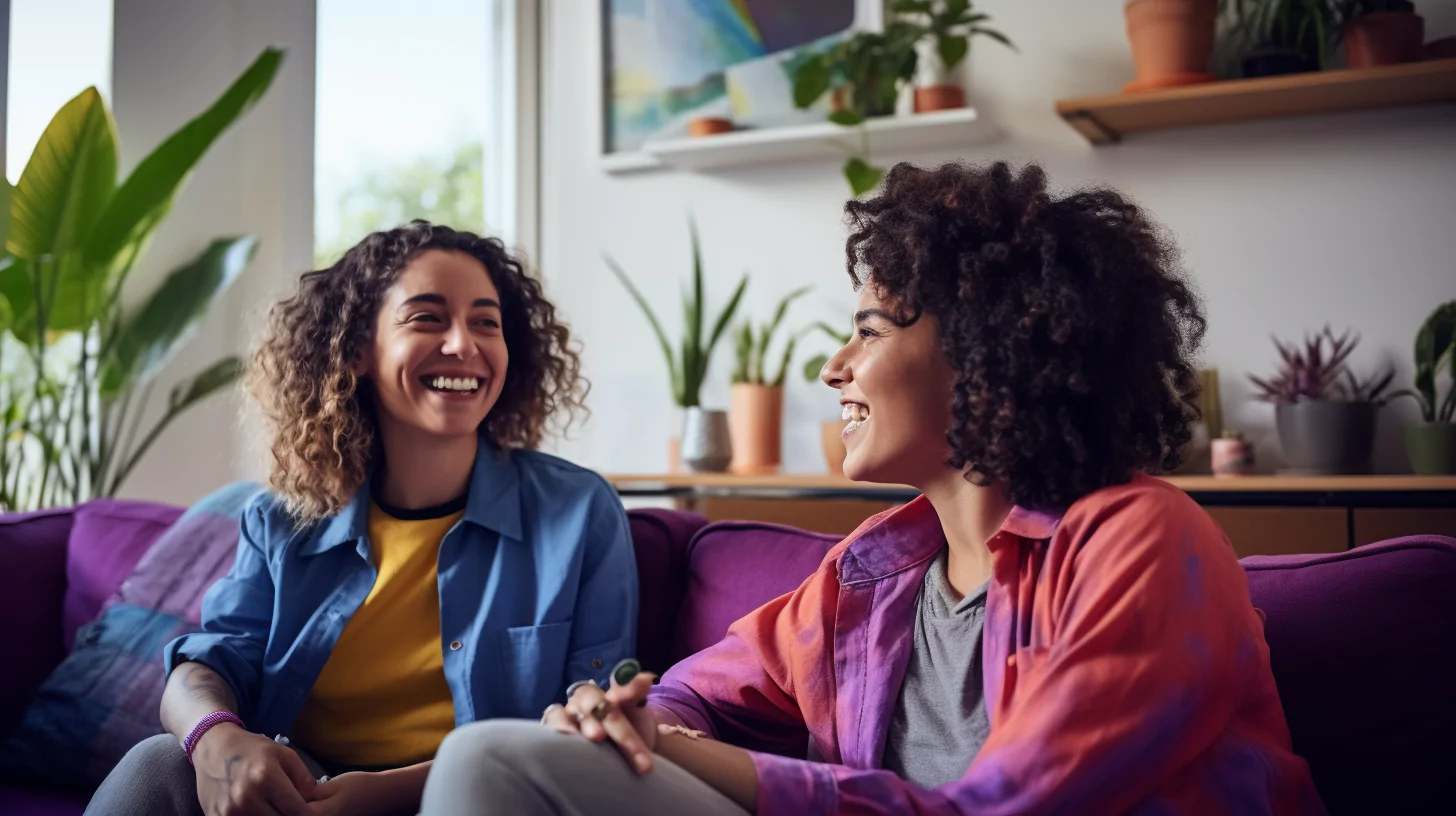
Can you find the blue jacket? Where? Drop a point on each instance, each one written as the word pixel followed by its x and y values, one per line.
pixel 538 588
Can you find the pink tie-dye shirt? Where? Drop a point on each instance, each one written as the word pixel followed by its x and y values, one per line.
pixel 1125 671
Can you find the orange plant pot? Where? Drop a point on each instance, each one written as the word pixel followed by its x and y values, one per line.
pixel 1172 41
pixel 755 424
pixel 1384 38
pixel 831 437
pixel 709 125
pixel 939 97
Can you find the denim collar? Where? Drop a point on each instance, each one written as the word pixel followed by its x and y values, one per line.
pixel 494 503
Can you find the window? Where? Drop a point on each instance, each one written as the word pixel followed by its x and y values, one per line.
pixel 413 118
pixel 57 49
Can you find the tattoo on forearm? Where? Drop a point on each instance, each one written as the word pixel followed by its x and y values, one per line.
pixel 205 686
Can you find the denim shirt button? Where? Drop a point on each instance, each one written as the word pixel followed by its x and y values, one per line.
pixel 454 645
pixel 596 662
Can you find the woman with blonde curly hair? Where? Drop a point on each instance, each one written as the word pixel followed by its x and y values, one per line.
pixel 416 566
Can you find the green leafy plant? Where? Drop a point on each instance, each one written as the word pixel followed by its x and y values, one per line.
pixel 1435 349
pixel 815 366
pixel 1309 28
pixel 752 347
pixel 71 358
pixel 687 368
pixel 867 70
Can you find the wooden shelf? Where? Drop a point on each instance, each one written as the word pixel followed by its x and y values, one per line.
pixel 888 136
pixel 1107 119
pixel 1221 484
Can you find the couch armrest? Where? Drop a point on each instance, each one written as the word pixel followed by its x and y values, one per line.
pixel 32 592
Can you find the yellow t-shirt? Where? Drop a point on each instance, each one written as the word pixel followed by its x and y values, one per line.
pixel 382 698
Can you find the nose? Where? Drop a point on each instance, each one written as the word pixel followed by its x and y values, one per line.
pixel 458 342
pixel 836 373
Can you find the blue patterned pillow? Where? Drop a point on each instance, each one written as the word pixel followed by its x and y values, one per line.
pixel 104 697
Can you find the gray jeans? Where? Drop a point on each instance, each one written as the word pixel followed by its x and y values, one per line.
pixel 155 779
pixel 520 767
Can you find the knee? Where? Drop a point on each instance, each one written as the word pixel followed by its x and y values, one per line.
pixel 499 743
pixel 159 757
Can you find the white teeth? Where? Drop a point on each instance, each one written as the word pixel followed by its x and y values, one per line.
pixel 855 414
pixel 455 383
pixel 845 414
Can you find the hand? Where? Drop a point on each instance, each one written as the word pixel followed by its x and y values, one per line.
pixel 353 794
pixel 630 726
pixel 240 773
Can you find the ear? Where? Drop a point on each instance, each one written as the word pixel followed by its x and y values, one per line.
pixel 362 366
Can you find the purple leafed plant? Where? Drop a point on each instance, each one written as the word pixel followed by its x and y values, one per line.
pixel 1316 373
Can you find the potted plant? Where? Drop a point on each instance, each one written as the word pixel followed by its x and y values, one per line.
pixel 1324 414
pixel 1431 443
pixel 756 407
pixel 1172 42
pixel 865 73
pixel 1282 36
pixel 72 357
pixel 705 444
pixel 948 28
pixel 1381 32
pixel 831 433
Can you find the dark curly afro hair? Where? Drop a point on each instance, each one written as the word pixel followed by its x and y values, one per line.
pixel 1067 320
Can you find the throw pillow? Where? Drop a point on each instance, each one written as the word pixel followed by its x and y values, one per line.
pixel 104 697
pixel 108 538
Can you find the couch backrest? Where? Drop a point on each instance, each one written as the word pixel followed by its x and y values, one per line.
pixel 32 590
pixel 1363 645
pixel 660 541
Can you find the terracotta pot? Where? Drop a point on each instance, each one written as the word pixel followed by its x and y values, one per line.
pixel 709 125
pixel 674 454
pixel 755 422
pixel 939 97
pixel 1384 38
pixel 1172 41
pixel 831 437
pixel 1444 48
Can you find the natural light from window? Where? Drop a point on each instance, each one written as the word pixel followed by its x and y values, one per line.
pixel 58 48
pixel 401 104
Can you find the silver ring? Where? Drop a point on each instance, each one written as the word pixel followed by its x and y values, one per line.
pixel 602 709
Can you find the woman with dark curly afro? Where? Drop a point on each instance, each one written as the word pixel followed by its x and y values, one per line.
pixel 1047 629
pixel 416 566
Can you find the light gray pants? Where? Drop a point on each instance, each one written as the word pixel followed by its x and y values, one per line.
pixel 155 779
pixel 520 767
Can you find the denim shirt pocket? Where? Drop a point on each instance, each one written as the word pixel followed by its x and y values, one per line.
pixel 533 665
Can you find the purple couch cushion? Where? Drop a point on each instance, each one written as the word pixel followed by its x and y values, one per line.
pixel 24 802
pixel 32 590
pixel 734 567
pixel 1363 646
pixel 107 540
pixel 660 541
pixel 104 696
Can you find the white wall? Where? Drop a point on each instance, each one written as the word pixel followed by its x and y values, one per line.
pixel 1286 225
pixel 172 58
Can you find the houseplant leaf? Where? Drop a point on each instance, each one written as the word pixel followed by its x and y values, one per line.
pixel 673 371
pixel 811 80
pixel 170 317
pixel 952 50
pixel 6 192
pixel 144 198
pixel 1435 344
pixel 183 396
pixel 847 118
pixel 861 176
pixel 67 182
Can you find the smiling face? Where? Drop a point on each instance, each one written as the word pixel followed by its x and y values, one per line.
pixel 438 359
pixel 895 386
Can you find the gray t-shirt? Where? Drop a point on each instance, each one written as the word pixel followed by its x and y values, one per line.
pixel 940 720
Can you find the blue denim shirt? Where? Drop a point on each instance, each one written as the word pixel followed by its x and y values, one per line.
pixel 538 588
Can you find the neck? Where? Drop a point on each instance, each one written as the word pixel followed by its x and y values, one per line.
pixel 969 515
pixel 421 470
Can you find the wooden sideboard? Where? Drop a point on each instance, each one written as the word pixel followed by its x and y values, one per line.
pixel 1263 515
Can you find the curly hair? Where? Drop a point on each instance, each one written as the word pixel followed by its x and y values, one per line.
pixel 320 413
pixel 1067 320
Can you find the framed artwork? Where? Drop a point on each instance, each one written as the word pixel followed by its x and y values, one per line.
pixel 666 62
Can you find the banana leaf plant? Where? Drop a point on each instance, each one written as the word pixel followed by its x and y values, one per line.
pixel 77 369
pixel 752 347
pixel 688 368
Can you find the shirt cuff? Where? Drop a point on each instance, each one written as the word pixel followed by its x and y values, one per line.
pixel 792 787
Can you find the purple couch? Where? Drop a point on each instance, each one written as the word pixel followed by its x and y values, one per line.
pixel 1363 643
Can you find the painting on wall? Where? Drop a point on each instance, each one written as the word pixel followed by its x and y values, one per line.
pixel 670 61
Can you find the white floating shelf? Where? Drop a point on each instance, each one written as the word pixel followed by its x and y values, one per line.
pixel 888 136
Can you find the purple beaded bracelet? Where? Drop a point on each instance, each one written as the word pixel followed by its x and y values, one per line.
pixel 206 724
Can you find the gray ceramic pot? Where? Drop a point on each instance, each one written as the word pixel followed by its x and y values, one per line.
pixel 1431 447
pixel 706 447
pixel 1327 437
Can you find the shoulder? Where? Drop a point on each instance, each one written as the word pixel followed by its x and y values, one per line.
pixel 554 484
pixel 267 522
pixel 1146 521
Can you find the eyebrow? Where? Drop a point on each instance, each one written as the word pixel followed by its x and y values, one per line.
pixel 439 300
pixel 865 314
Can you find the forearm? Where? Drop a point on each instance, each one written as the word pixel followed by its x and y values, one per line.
pixel 402 788
pixel 726 768
pixel 194 691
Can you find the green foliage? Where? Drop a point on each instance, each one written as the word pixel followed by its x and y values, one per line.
pixel 688 368
pixel 71 359
pixel 867 70
pixel 815 366
pixel 752 348
pixel 1307 27
pixel 440 189
pixel 1435 347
